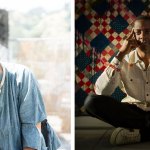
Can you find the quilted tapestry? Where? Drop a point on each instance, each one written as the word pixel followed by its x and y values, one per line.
pixel 100 26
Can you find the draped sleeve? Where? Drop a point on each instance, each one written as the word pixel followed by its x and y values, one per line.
pixel 32 110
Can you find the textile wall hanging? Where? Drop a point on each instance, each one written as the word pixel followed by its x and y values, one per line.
pixel 100 26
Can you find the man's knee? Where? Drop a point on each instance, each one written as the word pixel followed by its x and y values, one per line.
pixel 91 101
pixel 94 101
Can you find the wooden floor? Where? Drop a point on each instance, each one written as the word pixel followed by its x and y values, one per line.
pixel 93 134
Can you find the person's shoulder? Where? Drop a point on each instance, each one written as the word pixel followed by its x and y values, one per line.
pixel 130 55
pixel 16 68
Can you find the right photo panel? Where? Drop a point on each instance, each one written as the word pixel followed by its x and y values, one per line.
pixel 112 74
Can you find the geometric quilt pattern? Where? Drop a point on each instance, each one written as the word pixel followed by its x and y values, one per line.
pixel 100 27
pixel 119 24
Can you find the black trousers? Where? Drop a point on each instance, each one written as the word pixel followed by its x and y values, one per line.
pixel 119 114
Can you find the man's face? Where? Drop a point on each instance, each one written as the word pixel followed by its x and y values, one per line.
pixel 142 34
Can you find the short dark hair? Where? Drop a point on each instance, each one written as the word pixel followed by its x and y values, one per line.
pixel 141 17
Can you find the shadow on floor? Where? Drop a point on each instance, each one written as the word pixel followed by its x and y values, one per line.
pixel 93 134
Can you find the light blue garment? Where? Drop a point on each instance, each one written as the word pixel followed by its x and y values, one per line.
pixel 51 139
pixel 21 108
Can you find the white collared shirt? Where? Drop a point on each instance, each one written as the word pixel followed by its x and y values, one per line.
pixel 131 75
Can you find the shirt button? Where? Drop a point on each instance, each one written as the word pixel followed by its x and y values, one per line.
pixel 147 94
pixel 131 79
pixel 147 82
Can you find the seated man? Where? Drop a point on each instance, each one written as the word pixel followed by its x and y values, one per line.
pixel 131 67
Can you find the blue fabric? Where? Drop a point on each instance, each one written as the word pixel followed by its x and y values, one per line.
pixel 100 42
pixel 82 60
pixel 82 24
pixel 51 139
pixel 21 108
pixel 119 24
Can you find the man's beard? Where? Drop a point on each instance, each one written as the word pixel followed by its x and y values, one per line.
pixel 145 47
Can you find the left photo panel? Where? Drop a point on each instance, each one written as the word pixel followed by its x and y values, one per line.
pixel 35 75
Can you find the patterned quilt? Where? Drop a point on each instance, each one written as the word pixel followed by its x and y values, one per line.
pixel 100 26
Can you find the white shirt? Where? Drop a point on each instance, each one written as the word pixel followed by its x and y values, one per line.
pixel 130 74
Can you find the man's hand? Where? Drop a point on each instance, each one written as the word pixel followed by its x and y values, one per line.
pixel 39 126
pixel 129 43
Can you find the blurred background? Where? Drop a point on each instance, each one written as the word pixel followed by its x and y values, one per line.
pixel 36 33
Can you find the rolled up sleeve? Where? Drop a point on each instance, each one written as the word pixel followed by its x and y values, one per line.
pixel 114 68
pixel 109 79
pixel 32 111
